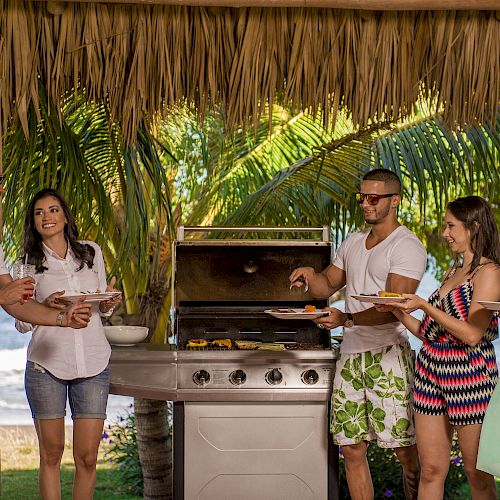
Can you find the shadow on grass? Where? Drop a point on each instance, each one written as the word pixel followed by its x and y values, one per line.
pixel 23 484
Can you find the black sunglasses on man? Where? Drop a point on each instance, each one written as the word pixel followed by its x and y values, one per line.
pixel 372 199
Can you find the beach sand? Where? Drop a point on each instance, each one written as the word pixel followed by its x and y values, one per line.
pixel 19 447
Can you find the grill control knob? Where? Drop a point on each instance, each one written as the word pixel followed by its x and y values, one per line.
pixel 310 377
pixel 274 377
pixel 238 377
pixel 201 377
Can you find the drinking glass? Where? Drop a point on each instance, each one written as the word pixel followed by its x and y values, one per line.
pixel 20 271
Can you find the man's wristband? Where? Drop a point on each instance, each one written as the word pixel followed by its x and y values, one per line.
pixel 60 318
pixel 349 323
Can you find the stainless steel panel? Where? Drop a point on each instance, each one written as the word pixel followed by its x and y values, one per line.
pixel 290 366
pixel 147 371
pixel 245 395
pixel 249 451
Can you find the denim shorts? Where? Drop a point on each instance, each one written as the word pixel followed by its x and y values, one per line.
pixel 47 394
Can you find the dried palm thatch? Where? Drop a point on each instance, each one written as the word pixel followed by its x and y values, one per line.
pixel 142 58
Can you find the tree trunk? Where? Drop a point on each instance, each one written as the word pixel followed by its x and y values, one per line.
pixel 154 443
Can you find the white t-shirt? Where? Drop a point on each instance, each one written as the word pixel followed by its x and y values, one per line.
pixel 366 272
pixel 65 352
pixel 3 268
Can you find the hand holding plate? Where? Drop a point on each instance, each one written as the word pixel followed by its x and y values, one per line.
pixel 334 319
pixel 110 304
pixel 78 315
pixel 412 303
pixel 54 301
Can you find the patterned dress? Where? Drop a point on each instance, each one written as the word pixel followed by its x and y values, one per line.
pixel 452 377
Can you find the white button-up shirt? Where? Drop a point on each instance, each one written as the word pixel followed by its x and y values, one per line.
pixel 70 353
pixel 3 268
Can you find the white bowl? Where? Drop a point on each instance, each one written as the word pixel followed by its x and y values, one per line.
pixel 125 334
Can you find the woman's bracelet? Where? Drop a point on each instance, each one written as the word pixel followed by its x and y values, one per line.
pixel 60 318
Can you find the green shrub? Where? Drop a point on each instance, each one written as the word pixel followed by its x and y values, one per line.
pixel 387 475
pixel 120 446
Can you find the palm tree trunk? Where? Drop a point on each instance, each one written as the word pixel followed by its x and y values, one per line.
pixel 154 443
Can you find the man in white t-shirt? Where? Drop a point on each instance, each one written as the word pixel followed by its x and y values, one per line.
pixel 372 389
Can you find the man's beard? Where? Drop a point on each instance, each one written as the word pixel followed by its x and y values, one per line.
pixel 378 217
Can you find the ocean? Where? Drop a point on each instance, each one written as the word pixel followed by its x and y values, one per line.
pixel 14 408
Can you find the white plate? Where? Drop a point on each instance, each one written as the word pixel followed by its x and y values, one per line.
pixel 289 313
pixel 375 299
pixel 488 304
pixel 90 297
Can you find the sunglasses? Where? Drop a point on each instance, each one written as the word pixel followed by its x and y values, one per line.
pixel 372 199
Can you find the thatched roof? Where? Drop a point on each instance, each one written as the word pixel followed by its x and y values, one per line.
pixel 141 58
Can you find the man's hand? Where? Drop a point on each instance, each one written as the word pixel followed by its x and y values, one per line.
pixel 333 320
pixel 17 292
pixel 78 315
pixel 301 276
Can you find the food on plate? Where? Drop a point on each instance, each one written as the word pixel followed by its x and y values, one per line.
pixel 368 294
pixel 194 343
pixel 227 343
pixel 282 310
pixel 246 344
pixel 309 308
pixel 270 346
pixel 388 294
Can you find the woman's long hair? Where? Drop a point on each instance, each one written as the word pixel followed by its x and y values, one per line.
pixel 476 215
pixel 33 247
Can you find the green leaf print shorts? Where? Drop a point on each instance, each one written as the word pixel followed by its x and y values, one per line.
pixel 372 397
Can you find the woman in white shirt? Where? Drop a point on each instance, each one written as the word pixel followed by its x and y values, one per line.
pixel 64 362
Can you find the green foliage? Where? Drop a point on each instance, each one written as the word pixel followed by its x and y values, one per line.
pixel 387 475
pixel 116 191
pixel 120 444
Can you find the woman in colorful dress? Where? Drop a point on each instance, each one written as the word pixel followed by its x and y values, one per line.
pixel 64 363
pixel 456 369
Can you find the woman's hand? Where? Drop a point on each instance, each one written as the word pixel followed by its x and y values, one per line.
pixel 78 315
pixel 55 302
pixel 412 303
pixel 109 305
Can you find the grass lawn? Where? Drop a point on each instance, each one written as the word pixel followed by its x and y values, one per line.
pixel 19 468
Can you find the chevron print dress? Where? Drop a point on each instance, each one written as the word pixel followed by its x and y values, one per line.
pixel 452 377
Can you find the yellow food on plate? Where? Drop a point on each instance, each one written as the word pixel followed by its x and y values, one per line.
pixel 388 294
pixel 196 343
pixel 223 343
pixel 309 308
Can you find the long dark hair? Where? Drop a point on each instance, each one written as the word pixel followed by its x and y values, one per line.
pixel 33 247
pixel 476 215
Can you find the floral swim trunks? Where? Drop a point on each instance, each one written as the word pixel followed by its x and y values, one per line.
pixel 372 398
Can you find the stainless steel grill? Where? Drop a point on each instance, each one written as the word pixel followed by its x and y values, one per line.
pixel 248 424
pixel 254 423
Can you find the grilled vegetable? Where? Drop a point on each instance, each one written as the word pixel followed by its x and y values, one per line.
pixel 197 343
pixel 222 343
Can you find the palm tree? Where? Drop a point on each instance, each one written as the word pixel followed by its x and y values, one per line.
pixel 435 163
pixel 201 174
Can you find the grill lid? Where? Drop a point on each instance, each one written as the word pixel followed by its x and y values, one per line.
pixel 208 271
